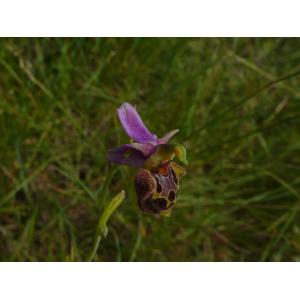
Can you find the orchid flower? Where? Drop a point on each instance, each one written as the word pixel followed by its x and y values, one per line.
pixel 158 177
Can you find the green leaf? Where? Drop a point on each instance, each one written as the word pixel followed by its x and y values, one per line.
pixel 102 228
pixel 108 211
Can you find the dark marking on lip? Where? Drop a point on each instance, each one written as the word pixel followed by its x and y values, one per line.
pixel 161 203
pixel 158 185
pixel 172 196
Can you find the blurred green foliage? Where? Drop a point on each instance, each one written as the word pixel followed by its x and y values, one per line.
pixel 236 102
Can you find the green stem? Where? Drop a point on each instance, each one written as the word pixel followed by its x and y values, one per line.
pixel 95 248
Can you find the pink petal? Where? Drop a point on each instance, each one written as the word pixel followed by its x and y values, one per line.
pixel 166 138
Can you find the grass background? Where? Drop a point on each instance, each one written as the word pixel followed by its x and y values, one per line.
pixel 236 103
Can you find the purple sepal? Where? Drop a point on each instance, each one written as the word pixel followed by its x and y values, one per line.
pixel 127 155
pixel 133 124
pixel 147 149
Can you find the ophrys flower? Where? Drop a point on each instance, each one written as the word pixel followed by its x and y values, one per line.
pixel 157 181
